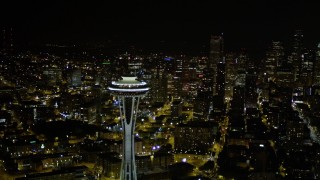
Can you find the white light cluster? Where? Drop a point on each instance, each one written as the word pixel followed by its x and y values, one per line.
pixel 128 90
pixel 127 84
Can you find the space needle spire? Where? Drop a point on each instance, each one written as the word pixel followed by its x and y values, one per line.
pixel 128 91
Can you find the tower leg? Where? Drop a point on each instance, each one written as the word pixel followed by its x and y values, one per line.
pixel 128 111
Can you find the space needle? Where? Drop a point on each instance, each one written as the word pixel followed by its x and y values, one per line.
pixel 128 91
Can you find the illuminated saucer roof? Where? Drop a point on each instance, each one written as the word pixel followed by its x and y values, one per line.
pixel 129 80
pixel 128 86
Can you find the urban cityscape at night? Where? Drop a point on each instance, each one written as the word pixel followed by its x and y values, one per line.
pixel 156 90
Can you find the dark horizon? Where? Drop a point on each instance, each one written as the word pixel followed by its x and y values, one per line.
pixel 245 24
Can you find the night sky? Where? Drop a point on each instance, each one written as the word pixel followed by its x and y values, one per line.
pixel 251 24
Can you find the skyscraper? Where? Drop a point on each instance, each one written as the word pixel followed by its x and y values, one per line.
pixel 296 55
pixel 274 59
pixel 307 67
pixel 128 91
pixel 6 40
pixel 221 80
pixel 216 50
pixel 76 78
pixel 317 66
pixel 250 89
pixel 215 57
